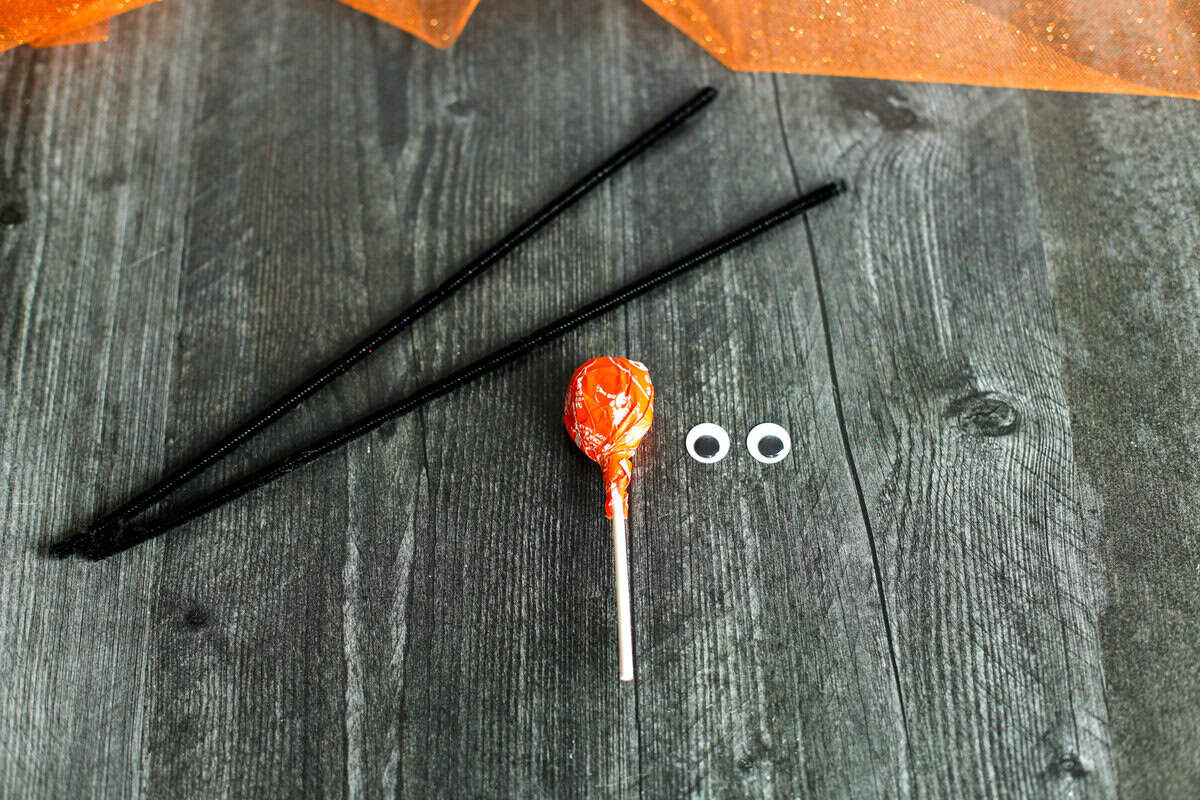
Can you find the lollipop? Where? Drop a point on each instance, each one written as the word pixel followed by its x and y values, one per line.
pixel 609 408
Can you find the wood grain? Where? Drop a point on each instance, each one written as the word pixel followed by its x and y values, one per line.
pixel 1123 266
pixel 763 655
pixel 947 367
pixel 96 158
pixel 227 194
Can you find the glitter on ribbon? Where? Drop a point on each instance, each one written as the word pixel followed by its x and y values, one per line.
pixel 48 23
pixel 1126 47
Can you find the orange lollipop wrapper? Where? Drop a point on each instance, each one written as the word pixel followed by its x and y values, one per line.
pixel 609 408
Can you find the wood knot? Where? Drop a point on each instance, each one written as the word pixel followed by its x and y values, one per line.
pixel 984 415
pixel 12 214
pixel 1071 765
pixel 197 617
pixel 880 102
pixel 461 108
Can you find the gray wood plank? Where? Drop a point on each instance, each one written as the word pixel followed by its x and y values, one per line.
pixel 470 529
pixel 510 689
pixel 764 666
pixel 1119 215
pixel 227 194
pixel 948 368
pixel 252 692
pixel 96 153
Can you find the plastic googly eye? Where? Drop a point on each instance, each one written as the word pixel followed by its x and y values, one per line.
pixel 708 443
pixel 768 443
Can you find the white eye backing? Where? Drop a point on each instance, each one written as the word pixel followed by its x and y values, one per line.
pixel 708 443
pixel 768 443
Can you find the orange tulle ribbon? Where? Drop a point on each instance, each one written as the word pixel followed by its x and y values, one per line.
pixel 609 408
pixel 1129 47
pixel 46 24
pixel 1132 46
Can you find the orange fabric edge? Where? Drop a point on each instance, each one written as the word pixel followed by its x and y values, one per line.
pixel 86 17
pixel 1047 70
pixel 439 23
pixel 92 33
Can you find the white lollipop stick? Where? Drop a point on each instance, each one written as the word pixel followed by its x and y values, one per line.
pixel 621 565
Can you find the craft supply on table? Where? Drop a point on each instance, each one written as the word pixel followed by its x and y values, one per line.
pixel 608 410
pixel 133 535
pixel 768 442
pixel 707 442
pixel 112 524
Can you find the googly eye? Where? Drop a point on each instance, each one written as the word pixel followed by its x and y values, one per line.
pixel 768 443
pixel 708 443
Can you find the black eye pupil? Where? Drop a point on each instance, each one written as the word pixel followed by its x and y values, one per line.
pixel 770 446
pixel 706 446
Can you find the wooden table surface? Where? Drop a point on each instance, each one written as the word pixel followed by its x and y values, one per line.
pixel 975 576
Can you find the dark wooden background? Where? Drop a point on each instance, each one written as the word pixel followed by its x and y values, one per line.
pixel 976 576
